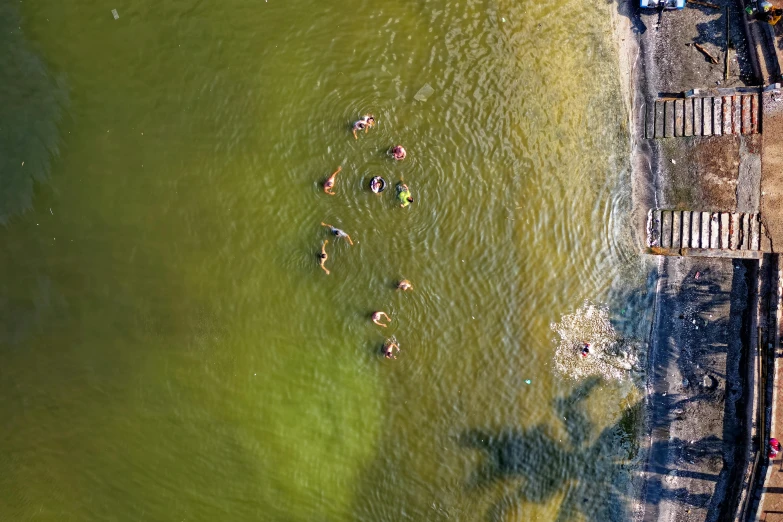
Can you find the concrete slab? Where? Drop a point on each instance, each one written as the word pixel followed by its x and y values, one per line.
pixel 717 116
pixel 707 116
pixel 772 167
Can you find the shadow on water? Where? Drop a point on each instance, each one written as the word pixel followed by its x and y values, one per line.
pixel 546 467
pixel 630 307
pixel 32 103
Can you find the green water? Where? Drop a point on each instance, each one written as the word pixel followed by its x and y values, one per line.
pixel 170 349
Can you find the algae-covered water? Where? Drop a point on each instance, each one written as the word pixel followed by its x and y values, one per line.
pixel 169 348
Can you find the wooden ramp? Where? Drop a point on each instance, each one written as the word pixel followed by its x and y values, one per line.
pixel 706 234
pixel 712 115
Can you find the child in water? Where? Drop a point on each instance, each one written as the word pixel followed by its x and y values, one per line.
pixel 364 123
pixel 391 348
pixel 404 194
pixel 322 257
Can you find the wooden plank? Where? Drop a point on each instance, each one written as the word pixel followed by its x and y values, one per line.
pixel 697 114
pixel 717 116
pixel 660 118
pixel 734 231
pixel 668 123
pixel 666 229
pixel 736 117
pixel 705 230
pixel 726 105
pixel 695 229
pixel 746 114
pixel 649 120
pixel 714 230
pixel 755 232
pixel 685 239
pixel 676 229
pixel 688 115
pixel 679 119
pixel 725 219
pixel 729 254
pixel 754 114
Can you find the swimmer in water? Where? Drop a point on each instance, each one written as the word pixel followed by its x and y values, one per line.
pixel 377 184
pixel 329 183
pixel 404 285
pixel 337 232
pixel 364 123
pixel 391 348
pixel 322 257
pixel 376 318
pixel 398 152
pixel 404 194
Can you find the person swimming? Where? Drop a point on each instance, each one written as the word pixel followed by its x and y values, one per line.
pixel 398 152
pixel 404 194
pixel 404 285
pixel 322 257
pixel 377 316
pixel 337 232
pixel 364 123
pixel 329 183
pixel 377 184
pixel 391 348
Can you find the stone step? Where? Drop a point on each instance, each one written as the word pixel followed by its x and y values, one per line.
pixel 705 233
pixel 717 115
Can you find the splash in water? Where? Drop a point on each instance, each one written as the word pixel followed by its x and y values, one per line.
pixel 590 346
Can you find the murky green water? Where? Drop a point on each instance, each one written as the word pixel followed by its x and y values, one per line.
pixel 170 349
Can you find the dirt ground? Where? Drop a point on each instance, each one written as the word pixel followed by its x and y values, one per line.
pixel 695 392
pixel 694 431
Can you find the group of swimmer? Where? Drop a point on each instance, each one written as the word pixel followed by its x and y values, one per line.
pixel 377 185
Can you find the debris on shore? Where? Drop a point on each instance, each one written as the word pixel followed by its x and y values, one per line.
pixel 610 355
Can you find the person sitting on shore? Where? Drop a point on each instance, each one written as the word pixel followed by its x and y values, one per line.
pixel 585 349
pixel 377 316
pixel 337 232
pixel 404 285
pixel 391 348
pixel 377 184
pixel 322 257
pixel 329 183
pixel 364 123
pixel 774 447
pixel 398 152
pixel 404 194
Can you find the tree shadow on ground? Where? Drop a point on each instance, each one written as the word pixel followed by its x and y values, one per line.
pixel 696 383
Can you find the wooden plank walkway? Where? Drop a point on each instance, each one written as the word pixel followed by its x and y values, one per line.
pixel 722 114
pixel 704 233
